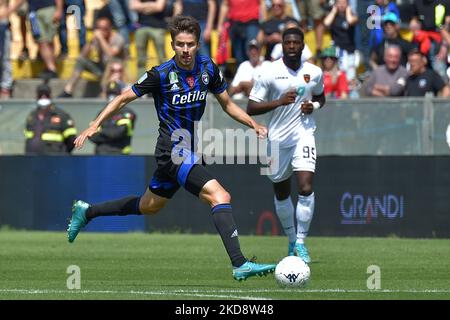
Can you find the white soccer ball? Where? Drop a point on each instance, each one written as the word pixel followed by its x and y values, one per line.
pixel 293 272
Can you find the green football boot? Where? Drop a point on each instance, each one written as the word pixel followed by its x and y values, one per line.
pixel 302 252
pixel 78 219
pixel 250 269
pixel 291 248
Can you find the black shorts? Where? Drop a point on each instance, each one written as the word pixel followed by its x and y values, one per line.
pixel 190 173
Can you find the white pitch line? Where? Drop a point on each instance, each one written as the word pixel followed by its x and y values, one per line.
pixel 220 293
pixel 195 293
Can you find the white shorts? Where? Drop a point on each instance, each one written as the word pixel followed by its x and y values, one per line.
pixel 299 157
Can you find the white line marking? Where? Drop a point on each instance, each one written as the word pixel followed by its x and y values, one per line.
pixel 194 293
pixel 219 293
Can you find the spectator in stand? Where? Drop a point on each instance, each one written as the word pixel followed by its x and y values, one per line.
pixel 270 33
pixel 22 13
pixel 69 8
pixel 277 51
pixel 45 16
pixel 114 73
pixel 423 80
pixel 248 71
pixel 362 31
pixel 431 19
pixel 244 17
pixel 388 80
pixel 334 80
pixel 108 45
pixel 205 12
pixel 6 80
pixel 48 129
pixel 391 28
pixel 384 7
pixel 152 26
pixel 313 9
pixel 123 18
pixel 341 22
pixel 115 134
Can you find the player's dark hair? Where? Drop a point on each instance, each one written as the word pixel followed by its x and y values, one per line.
pixel 295 31
pixel 185 24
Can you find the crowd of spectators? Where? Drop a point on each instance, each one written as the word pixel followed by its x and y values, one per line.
pixel 378 47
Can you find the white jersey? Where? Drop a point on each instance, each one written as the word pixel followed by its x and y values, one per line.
pixel 287 123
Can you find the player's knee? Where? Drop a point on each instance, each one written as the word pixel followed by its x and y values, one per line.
pixel 305 190
pixel 221 197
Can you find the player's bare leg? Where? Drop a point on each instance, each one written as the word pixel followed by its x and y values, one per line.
pixel 151 203
pixel 220 202
pixel 83 212
pixel 304 211
pixel 285 211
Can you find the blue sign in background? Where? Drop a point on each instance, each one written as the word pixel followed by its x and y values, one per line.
pixel 42 189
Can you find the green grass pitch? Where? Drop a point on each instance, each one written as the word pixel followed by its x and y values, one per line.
pixel 33 265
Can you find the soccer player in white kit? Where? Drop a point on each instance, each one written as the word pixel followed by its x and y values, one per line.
pixel 291 91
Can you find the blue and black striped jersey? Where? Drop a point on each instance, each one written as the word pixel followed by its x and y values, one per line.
pixel 180 95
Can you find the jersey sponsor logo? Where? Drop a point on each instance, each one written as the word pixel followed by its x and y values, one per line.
pixel 190 81
pixel 173 77
pixel 205 78
pixel 188 98
pixel 281 78
pixel 142 78
pixel 307 77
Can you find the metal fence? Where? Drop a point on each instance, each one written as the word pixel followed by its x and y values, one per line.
pixel 344 127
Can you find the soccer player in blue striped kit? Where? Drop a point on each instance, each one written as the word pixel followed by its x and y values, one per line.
pixel 179 87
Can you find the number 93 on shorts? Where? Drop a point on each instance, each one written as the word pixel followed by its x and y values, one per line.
pixel 299 157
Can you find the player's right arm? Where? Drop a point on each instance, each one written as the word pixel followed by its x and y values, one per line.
pixel 114 106
pixel 149 82
pixel 260 107
pixel 258 99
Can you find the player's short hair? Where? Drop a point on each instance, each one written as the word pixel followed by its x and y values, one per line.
pixel 185 24
pixel 295 31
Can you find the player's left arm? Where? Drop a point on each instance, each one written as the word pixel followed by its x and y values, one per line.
pixel 235 112
pixel 315 103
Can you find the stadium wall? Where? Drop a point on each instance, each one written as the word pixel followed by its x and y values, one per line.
pixel 402 196
pixel 385 127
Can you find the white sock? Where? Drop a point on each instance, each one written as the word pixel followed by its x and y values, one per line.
pixel 304 214
pixel 285 212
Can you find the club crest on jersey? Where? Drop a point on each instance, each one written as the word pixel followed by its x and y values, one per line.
pixel 173 77
pixel 307 77
pixel 205 78
pixel 190 81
